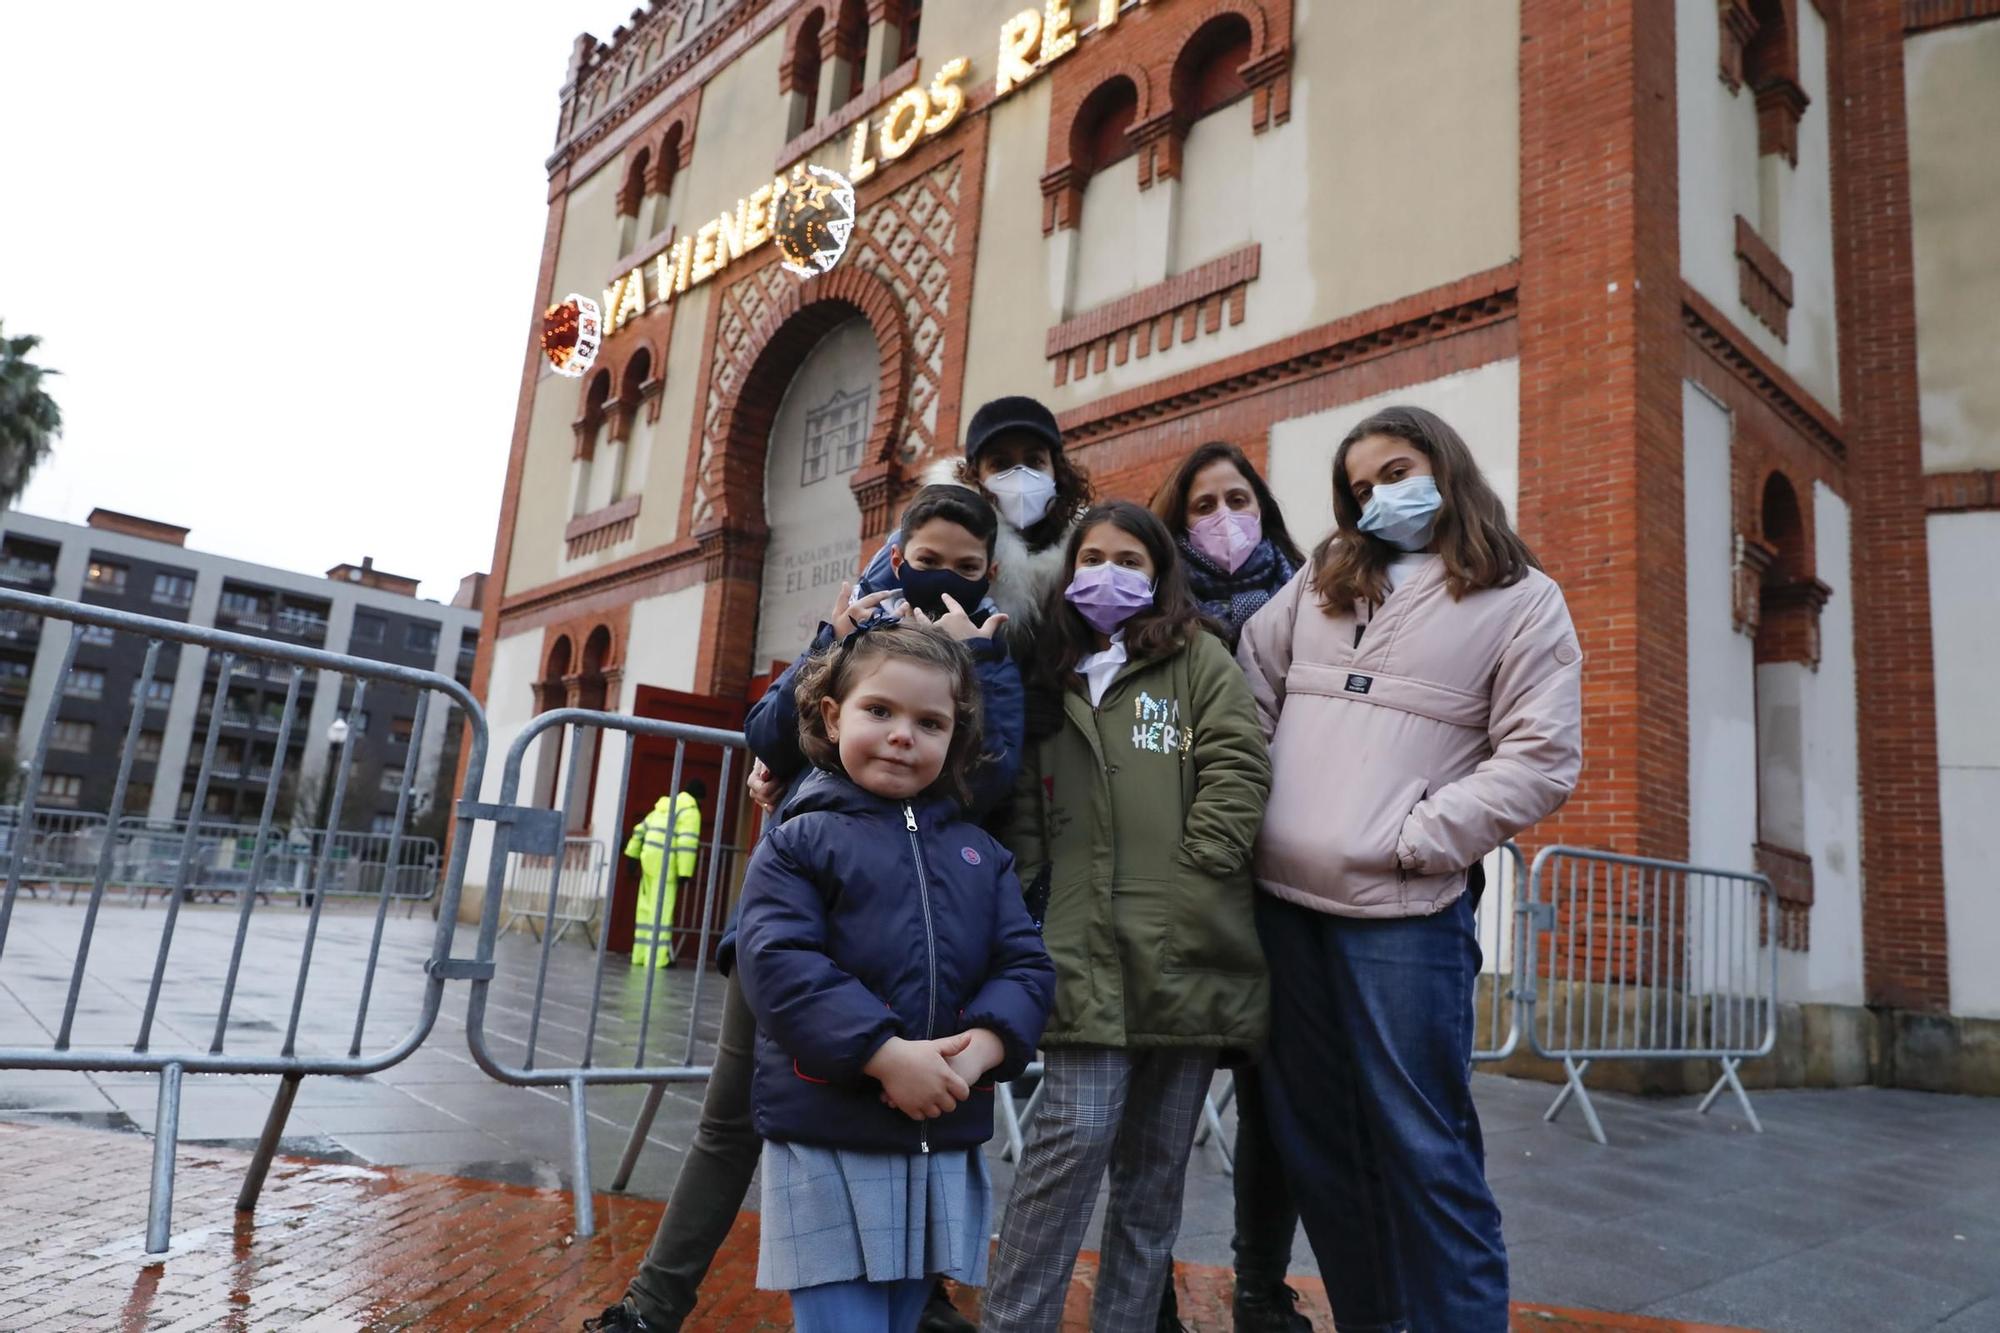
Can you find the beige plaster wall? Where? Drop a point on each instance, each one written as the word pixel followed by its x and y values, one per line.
pixel 1953 80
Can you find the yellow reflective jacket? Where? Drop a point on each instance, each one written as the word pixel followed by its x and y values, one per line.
pixel 673 824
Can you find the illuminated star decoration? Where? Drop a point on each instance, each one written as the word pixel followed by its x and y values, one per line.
pixel 570 334
pixel 815 218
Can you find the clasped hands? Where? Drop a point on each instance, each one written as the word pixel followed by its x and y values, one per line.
pixel 927 1079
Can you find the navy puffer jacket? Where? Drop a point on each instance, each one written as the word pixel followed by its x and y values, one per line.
pixel 865 919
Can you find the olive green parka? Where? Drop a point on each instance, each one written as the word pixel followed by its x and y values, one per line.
pixel 1143 811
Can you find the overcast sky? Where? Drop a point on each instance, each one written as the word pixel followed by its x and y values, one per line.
pixel 284 256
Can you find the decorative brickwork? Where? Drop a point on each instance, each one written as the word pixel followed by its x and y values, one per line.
pixel 1923 15
pixel 1903 907
pixel 1952 492
pixel 1739 25
pixel 1762 280
pixel 1791 876
pixel 1174 310
pixel 1146 48
pixel 601 530
pixel 1712 332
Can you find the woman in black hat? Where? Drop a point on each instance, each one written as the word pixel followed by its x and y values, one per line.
pixel 1014 457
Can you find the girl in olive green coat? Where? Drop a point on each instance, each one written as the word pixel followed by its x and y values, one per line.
pixel 1132 827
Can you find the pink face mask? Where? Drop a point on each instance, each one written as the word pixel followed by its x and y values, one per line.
pixel 1227 536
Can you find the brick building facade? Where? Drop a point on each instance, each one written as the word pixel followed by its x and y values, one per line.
pixel 1698 281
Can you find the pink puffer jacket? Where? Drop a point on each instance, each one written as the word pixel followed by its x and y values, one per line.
pixel 1399 761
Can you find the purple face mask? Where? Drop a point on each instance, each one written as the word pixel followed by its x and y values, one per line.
pixel 1227 537
pixel 1109 595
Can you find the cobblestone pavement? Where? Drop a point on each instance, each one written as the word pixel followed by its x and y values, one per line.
pixel 348 1247
pixel 1865 1210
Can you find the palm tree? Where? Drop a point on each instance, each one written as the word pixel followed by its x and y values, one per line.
pixel 29 418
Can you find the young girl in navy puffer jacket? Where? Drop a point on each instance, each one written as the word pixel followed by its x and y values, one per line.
pixel 884 947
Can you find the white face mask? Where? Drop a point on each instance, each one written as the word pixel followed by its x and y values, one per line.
pixel 1022 495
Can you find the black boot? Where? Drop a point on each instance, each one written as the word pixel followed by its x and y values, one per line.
pixel 940 1315
pixel 1170 1312
pixel 1269 1310
pixel 619 1318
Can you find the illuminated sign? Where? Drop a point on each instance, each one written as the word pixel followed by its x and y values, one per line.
pixel 1030 42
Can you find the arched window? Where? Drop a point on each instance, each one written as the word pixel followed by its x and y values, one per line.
pixel 1208 75
pixel 551 692
pixel 1100 135
pixel 804 75
pixel 1783 530
pixel 1771 68
pixel 638 378
pixel 631 199
pixel 850 54
pixel 665 168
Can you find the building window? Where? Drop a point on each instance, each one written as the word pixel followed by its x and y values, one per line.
pixel 97 636
pixel 399 730
pixel 383 825
pixel 105 576
pixel 28 569
pixel 173 589
pixel 18 625
pixel 369 628
pixel 84 684
pixel 835 433
pixel 421 638
pixel 159 693
pixel 60 789
pixel 72 736
pixel 148 748
pixel 800 78
pixel 302 622
pixel 138 795
pixel 392 780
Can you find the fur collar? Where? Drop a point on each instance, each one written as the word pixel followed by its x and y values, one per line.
pixel 1025 577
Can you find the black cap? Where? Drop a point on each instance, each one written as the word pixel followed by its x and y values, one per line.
pixel 1015 413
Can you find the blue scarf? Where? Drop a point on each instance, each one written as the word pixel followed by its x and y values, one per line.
pixel 1234 598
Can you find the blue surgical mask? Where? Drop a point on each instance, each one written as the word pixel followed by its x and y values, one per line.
pixel 1403 513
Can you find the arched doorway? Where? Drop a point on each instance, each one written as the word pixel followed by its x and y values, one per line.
pixel 818 441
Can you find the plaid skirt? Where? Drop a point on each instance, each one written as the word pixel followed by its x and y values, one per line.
pixel 833 1215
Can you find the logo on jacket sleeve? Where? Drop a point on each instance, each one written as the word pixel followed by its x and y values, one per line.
pixel 971 855
pixel 1359 684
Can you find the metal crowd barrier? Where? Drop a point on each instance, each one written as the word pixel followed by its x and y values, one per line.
pixel 1630 958
pixel 233 653
pixel 535 832
pixel 63 847
pixel 575 888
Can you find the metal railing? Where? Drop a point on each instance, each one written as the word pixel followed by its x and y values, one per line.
pixel 148 1051
pixel 1630 958
pixel 546 893
pixel 537 832
pixel 64 847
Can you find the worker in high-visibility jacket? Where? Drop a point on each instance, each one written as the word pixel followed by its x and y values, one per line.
pixel 665 844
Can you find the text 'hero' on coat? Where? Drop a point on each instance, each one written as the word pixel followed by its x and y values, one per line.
pixel 864 919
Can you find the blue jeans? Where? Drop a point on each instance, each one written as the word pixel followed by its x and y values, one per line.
pixel 860 1307
pixel 1369 1096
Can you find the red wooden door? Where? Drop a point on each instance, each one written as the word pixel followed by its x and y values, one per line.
pixel 653 777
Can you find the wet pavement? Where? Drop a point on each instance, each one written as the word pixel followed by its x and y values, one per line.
pixel 1866 1210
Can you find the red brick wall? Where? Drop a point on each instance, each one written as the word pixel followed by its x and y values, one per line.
pixel 1600 333
pixel 1903 910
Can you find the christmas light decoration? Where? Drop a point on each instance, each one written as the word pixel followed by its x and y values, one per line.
pixel 571 331
pixel 813 219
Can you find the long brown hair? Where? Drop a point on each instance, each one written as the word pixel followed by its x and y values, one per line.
pixel 1480 548
pixel 1171 500
pixel 1163 629
pixel 834 672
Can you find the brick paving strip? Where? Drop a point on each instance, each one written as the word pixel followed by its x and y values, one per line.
pixel 347 1247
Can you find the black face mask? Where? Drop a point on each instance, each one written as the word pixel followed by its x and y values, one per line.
pixel 927 589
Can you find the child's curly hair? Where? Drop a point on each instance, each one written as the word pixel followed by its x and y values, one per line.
pixel 833 673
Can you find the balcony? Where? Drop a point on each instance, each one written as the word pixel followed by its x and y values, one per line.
pixel 18 627
pixel 34 575
pixel 298 624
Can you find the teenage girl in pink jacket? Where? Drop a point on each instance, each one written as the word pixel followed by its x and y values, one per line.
pixel 1420 684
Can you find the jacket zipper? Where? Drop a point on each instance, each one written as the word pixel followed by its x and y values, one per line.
pixel 930 950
